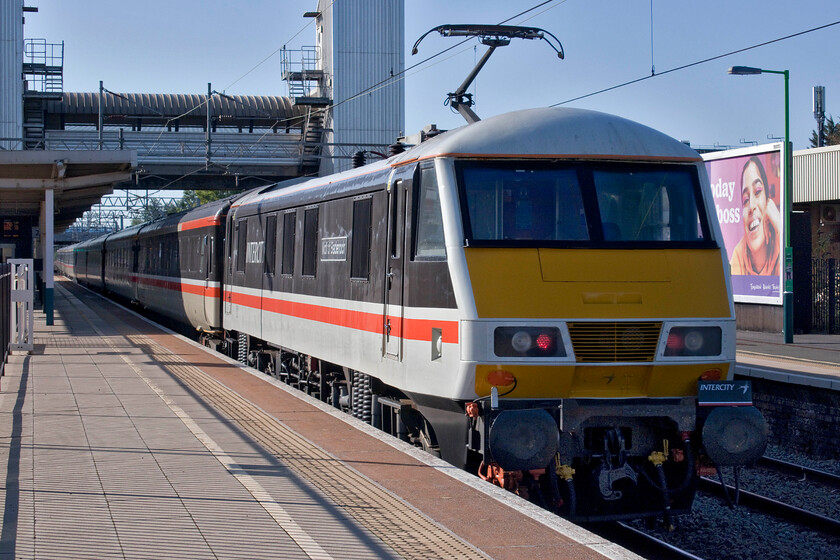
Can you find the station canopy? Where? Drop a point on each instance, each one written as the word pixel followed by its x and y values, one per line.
pixel 78 178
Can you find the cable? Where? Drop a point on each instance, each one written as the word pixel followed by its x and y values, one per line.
pixel 538 13
pixel 529 10
pixel 456 45
pixel 289 40
pixel 382 83
pixel 652 66
pixel 683 67
pixel 375 87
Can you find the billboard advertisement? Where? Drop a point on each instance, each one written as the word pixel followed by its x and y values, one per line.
pixel 748 191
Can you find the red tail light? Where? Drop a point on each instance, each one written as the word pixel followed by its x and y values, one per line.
pixel 532 342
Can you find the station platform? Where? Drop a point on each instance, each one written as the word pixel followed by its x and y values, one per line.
pixel 122 440
pixel 812 359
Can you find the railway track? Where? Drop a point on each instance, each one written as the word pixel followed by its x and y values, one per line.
pixel 644 544
pixel 814 521
pixel 804 473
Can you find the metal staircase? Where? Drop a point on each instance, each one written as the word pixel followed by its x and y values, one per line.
pixel 43 69
pixel 307 82
pixel 313 136
pixel 308 85
pixel 33 123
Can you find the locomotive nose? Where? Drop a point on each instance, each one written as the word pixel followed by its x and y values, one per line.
pixel 523 439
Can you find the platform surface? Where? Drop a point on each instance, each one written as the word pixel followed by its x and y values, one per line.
pixel 120 440
pixel 812 359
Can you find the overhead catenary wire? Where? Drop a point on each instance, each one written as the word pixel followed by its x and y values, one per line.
pixel 375 87
pixel 264 60
pixel 209 97
pixel 696 63
pixel 652 65
pixel 222 93
pixel 395 77
pixel 400 75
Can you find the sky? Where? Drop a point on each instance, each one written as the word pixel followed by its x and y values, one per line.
pixel 179 46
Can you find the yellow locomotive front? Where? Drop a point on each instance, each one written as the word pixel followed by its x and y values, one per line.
pixel 601 303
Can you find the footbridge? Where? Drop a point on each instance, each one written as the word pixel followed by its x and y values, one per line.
pixel 186 141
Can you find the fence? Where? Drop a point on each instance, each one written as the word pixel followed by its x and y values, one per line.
pixel 22 300
pixel 825 289
pixel 5 311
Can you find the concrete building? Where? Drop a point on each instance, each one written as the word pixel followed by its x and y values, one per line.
pixel 361 46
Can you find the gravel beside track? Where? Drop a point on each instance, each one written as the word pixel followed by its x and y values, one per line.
pixel 716 532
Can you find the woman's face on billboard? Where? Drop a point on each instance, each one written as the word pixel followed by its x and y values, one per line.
pixel 754 207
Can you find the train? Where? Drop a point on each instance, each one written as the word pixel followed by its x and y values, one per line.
pixel 538 297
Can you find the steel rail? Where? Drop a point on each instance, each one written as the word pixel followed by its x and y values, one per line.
pixel 805 473
pixel 639 542
pixel 792 514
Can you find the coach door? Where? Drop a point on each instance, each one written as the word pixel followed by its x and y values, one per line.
pixel 269 268
pixel 211 287
pixel 394 270
pixel 235 279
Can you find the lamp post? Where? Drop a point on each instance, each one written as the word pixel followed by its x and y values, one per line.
pixel 787 296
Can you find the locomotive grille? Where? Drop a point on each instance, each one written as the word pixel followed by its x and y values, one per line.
pixel 615 342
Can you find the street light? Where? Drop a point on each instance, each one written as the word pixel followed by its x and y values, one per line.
pixel 787 296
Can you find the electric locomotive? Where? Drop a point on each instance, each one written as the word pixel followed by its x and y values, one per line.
pixel 535 297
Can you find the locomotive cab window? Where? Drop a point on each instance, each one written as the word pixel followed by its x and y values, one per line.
pixel 581 204
pixel 648 205
pixel 429 243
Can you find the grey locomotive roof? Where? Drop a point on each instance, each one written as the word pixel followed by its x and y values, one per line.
pixel 545 132
pixel 556 131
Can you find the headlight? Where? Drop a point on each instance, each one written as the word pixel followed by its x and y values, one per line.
pixel 694 341
pixel 542 342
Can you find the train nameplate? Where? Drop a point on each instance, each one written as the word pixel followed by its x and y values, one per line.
pixel 725 393
pixel 334 249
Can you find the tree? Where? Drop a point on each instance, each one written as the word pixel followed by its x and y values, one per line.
pixel 154 209
pixel 831 131
pixel 191 199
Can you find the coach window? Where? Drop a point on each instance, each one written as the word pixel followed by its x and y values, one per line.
pixel 310 241
pixel 193 255
pixel 360 259
pixel 173 256
pixel 187 259
pixel 289 222
pixel 202 249
pixel 270 243
pixel 429 244
pixel 211 245
pixel 241 244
